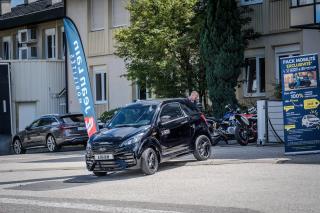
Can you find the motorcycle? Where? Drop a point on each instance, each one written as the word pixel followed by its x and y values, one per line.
pixel 223 129
pixel 246 127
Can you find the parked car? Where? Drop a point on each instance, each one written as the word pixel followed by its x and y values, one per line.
pixel 146 133
pixel 300 82
pixel 310 121
pixel 53 132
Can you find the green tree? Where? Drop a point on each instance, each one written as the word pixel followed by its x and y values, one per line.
pixel 161 47
pixel 222 46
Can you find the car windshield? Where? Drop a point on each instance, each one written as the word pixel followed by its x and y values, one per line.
pixel 72 119
pixel 134 115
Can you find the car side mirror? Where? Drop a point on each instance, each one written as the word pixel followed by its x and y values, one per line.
pixel 165 118
pixel 55 124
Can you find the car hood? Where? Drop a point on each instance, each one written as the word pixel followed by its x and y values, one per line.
pixel 117 135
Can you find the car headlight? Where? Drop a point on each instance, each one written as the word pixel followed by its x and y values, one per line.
pixel 133 140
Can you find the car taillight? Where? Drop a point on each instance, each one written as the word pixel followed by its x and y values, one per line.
pixel 63 127
pixel 204 118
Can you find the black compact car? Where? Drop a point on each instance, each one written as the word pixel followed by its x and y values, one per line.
pixel 146 133
pixel 53 132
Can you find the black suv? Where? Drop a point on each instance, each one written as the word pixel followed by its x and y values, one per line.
pixel 146 133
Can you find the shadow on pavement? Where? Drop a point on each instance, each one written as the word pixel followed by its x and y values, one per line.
pixel 62 182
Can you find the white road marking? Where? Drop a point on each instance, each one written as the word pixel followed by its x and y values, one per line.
pixel 80 206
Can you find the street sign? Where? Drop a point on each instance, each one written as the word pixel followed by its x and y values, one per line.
pixel 301 95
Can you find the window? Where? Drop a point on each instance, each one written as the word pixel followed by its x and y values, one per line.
pixel 297 3
pixel 6 48
pixel 188 110
pixel 23 36
pixel 255 76
pixel 50 43
pixel 23 53
pixel 47 121
pixel 120 15
pixel 73 119
pixel 35 124
pixel 33 52
pixel 283 52
pixel 100 85
pixel 172 110
pixel 141 92
pixel 15 3
pixel 33 33
pixel 63 43
pixel 97 15
pixel 250 2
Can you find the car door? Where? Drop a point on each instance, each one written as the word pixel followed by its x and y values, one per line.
pixel 31 134
pixel 43 129
pixel 174 129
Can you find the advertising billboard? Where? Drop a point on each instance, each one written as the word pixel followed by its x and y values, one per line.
pixel 300 94
pixel 80 76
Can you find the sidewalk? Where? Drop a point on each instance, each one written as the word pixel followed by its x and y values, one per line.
pixel 222 154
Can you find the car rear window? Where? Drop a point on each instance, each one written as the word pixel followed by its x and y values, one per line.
pixel 72 119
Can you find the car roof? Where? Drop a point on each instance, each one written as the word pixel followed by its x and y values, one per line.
pixel 161 101
pixel 60 115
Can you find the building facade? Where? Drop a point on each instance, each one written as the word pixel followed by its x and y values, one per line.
pixel 97 21
pixel 32 48
pixel 271 18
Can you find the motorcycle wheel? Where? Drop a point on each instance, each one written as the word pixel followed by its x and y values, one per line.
pixel 242 136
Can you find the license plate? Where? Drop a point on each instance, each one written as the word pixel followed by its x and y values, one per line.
pixel 81 128
pixel 104 157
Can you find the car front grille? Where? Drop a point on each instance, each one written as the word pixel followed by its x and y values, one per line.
pixel 122 159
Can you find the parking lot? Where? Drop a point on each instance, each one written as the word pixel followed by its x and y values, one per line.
pixel 237 179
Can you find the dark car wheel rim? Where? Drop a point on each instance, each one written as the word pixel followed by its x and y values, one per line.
pixel 243 135
pixel 204 147
pixel 151 161
pixel 17 147
pixel 51 143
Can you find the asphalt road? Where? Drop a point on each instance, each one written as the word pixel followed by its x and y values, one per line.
pixel 238 179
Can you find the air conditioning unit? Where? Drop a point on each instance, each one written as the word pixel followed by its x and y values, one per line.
pixel 27 35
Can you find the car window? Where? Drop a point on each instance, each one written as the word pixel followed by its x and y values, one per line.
pixel 73 119
pixel 188 110
pixel 172 110
pixel 35 124
pixel 45 121
pixel 134 115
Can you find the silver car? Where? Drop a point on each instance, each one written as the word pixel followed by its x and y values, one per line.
pixel 53 132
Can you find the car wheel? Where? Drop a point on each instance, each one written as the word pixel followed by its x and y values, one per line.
pixel 17 147
pixel 100 174
pixel 51 144
pixel 202 148
pixel 149 161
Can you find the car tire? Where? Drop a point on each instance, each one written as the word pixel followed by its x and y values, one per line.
pixel 202 148
pixel 17 147
pixel 100 174
pixel 51 144
pixel 149 161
